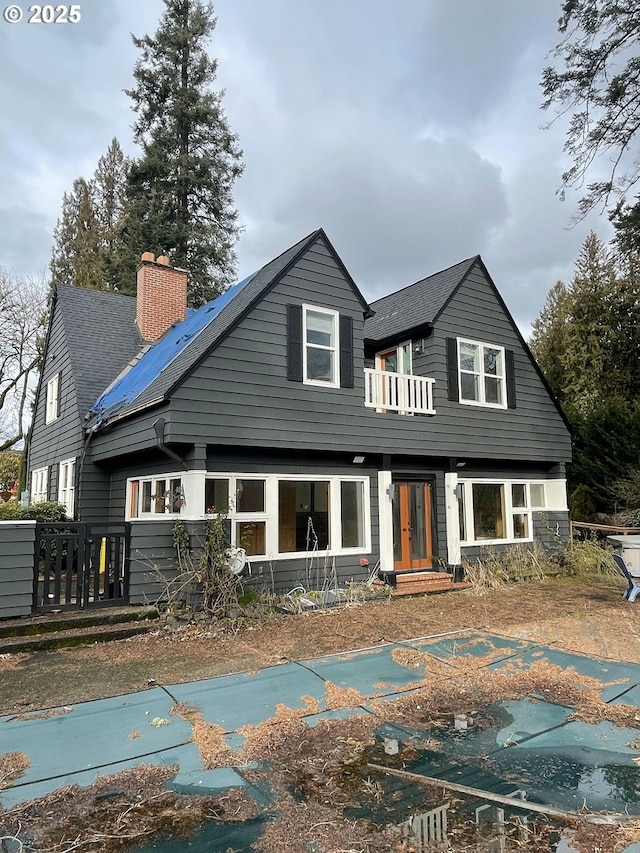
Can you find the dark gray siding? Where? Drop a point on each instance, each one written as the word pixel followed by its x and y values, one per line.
pixel 52 443
pixel 17 548
pixel 153 558
pixel 240 395
pixel 151 542
pixel 532 431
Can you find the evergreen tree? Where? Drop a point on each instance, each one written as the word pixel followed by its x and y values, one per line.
pixel 548 338
pixel 590 329
pixel 88 244
pixel 75 257
pixel 180 190
pixel 587 341
pixel 109 190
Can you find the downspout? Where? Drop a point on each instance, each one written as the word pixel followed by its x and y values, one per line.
pixel 159 430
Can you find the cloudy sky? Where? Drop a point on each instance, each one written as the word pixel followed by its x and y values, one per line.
pixel 409 129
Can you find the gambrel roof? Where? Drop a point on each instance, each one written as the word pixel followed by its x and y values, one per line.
pixel 416 305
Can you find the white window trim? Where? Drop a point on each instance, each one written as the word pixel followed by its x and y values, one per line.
pixel 481 375
pixel 552 501
pixel 39 485
pixel 169 513
pixel 335 383
pixel 193 484
pixel 67 494
pixel 52 411
pixel 401 349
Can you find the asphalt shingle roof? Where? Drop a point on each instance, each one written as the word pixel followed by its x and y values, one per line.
pixel 156 372
pixel 416 304
pixel 102 338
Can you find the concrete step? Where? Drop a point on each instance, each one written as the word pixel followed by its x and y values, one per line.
pixel 52 631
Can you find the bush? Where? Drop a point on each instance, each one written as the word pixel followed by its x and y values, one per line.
pixel 582 504
pixel 588 559
pixel 45 511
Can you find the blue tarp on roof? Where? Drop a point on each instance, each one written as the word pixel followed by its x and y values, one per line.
pixel 124 391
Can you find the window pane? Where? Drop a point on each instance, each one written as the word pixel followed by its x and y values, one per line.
pixel 469 357
pixel 146 496
pixel 537 494
pixel 320 364
pixel 160 495
pixel 250 535
pixel 250 496
pixel 389 361
pixel 521 526
pixel 176 498
pixel 468 386
pixel 518 494
pixel 493 390
pixel 303 516
pixel 352 516
pixel 216 496
pixel 493 361
pixel 133 506
pixel 461 513
pixel 320 328
pixel 488 511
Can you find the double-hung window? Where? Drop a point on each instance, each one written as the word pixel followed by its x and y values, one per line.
pixel 320 329
pixel 67 485
pixel 39 485
pixel 53 399
pixel 481 374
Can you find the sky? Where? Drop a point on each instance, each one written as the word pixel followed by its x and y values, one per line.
pixel 410 130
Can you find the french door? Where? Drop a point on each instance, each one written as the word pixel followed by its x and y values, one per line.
pixel 412 533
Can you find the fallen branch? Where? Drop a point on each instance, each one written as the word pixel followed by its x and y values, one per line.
pixel 514 802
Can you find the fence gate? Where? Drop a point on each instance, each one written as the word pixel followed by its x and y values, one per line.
pixel 80 565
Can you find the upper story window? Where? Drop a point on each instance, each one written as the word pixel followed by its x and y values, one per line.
pixel 53 399
pixel 481 374
pixel 320 351
pixel 395 360
pixel 39 485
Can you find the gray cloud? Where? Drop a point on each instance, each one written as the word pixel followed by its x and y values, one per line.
pixel 409 130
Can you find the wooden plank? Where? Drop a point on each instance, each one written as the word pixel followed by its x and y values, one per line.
pixel 513 802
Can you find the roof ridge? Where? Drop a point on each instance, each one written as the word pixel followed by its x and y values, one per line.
pixel 468 261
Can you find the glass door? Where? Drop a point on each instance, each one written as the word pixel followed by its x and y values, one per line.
pixel 412 534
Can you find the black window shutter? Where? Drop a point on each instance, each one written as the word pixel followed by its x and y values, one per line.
pixel 294 343
pixel 511 378
pixel 346 352
pixel 452 368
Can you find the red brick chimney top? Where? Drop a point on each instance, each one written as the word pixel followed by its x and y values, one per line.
pixel 161 296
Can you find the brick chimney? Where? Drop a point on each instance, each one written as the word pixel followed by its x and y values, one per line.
pixel 162 296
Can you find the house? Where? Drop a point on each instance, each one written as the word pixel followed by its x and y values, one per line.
pixel 406 433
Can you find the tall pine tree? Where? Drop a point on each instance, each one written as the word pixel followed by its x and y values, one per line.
pixel 75 257
pixel 109 192
pixel 180 189
pixel 88 248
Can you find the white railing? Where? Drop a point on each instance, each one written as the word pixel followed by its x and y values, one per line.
pixel 398 392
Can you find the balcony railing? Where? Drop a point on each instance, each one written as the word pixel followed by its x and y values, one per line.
pixel 398 392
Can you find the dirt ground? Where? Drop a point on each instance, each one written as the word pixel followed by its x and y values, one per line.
pixel 587 618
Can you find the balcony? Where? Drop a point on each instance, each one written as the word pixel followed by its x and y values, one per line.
pixel 398 392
